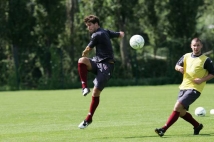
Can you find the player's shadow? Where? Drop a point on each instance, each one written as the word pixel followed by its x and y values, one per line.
pixel 134 137
pixel 164 137
pixel 170 136
pixel 205 135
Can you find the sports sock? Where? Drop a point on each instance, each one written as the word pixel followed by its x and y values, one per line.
pixel 188 117
pixel 171 120
pixel 82 69
pixel 94 103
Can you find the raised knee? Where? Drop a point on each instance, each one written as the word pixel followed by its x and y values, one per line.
pixel 82 60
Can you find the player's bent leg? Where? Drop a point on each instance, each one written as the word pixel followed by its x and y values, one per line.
pixel 178 107
pixel 83 66
pixel 171 120
pixel 183 112
pixel 196 126
pixel 86 61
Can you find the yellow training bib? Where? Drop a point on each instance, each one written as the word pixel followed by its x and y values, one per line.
pixel 193 68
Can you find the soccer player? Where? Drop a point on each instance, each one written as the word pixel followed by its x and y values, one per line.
pixel 196 69
pixel 102 64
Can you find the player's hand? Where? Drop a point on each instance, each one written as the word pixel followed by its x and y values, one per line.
pixel 197 80
pixel 86 51
pixel 122 34
pixel 181 69
pixel 84 54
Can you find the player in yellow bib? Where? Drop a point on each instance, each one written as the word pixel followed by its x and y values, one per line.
pixel 196 69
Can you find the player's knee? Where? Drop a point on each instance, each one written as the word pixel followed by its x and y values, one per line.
pixel 178 107
pixel 182 113
pixel 96 92
pixel 82 60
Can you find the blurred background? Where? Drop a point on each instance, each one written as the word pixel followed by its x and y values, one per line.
pixel 42 40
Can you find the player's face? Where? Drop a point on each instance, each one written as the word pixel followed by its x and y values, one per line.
pixel 91 27
pixel 196 47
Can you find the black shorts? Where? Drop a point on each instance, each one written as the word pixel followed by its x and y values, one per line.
pixel 103 72
pixel 187 97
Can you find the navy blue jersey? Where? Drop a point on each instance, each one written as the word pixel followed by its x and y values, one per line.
pixel 208 65
pixel 101 41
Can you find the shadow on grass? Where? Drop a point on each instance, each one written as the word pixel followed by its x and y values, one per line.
pixel 145 137
pixel 204 135
pixel 169 136
pixel 164 137
pixel 134 137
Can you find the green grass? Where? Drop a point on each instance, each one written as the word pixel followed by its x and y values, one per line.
pixel 125 114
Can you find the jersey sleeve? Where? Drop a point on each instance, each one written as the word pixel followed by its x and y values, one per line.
pixel 113 34
pixel 93 41
pixel 208 65
pixel 180 61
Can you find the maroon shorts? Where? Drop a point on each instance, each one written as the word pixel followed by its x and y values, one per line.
pixel 187 97
pixel 103 72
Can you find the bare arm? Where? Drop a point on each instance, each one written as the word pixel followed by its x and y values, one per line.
pixel 206 78
pixel 179 68
pixel 86 51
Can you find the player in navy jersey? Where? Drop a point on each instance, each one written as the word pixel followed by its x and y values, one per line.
pixel 196 69
pixel 102 64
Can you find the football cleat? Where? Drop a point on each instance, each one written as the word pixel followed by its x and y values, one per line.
pixel 160 131
pixel 84 124
pixel 85 91
pixel 198 129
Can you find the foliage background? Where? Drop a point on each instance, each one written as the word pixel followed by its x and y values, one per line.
pixel 41 40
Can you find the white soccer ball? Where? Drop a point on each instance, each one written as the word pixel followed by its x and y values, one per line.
pixel 212 111
pixel 136 41
pixel 200 111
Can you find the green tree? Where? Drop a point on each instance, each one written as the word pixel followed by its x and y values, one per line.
pixel 18 30
pixel 50 17
pixel 3 42
pixel 152 17
pixel 180 33
pixel 182 18
pixel 205 26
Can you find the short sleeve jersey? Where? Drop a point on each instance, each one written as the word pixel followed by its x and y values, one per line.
pixel 101 40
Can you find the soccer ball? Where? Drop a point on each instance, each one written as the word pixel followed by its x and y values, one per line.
pixel 200 111
pixel 136 41
pixel 212 111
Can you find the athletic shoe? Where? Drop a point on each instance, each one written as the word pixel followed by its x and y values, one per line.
pixel 160 131
pixel 84 124
pixel 85 91
pixel 198 129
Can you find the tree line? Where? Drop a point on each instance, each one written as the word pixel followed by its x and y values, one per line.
pixel 41 40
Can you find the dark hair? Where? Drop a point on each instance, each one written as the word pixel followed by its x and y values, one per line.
pixel 92 19
pixel 197 40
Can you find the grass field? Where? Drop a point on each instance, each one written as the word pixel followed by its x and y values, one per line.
pixel 125 114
